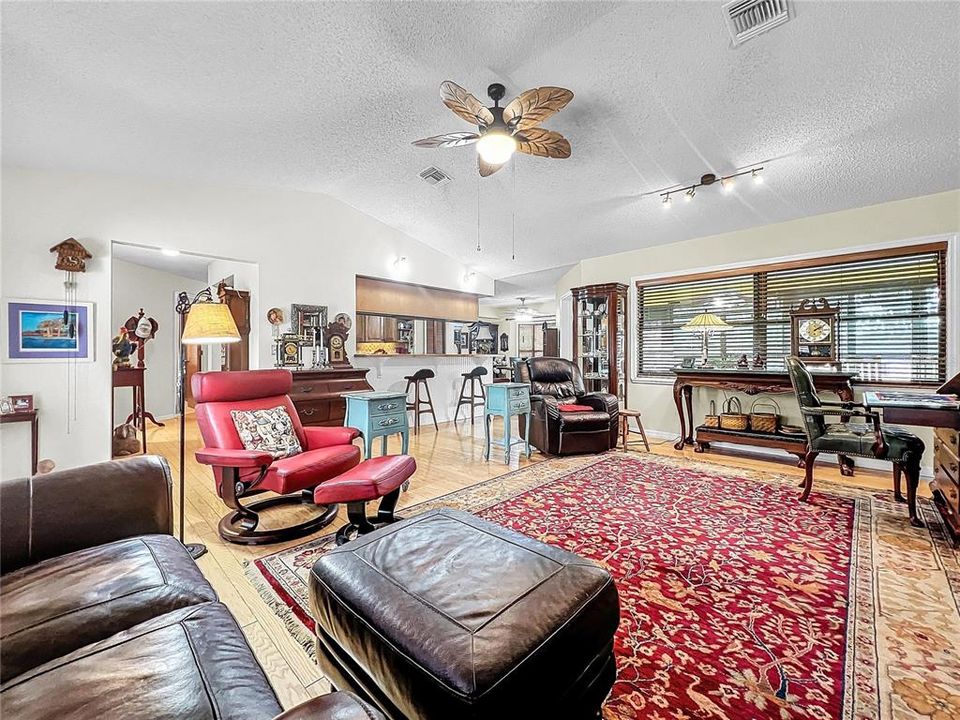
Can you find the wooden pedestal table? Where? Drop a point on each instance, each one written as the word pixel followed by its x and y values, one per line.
pixel 132 377
pixel 751 382
pixel 29 416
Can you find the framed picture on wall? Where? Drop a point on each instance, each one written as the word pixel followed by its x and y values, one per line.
pixel 305 319
pixel 49 331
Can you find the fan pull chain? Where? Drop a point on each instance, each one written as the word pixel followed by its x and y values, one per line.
pixel 513 217
pixel 478 213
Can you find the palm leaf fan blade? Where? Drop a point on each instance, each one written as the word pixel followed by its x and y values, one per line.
pixel 454 139
pixel 464 104
pixel 543 143
pixel 532 107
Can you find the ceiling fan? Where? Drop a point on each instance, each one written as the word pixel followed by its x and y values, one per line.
pixel 503 130
pixel 521 313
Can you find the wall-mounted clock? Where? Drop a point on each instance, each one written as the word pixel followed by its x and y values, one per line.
pixel 814 327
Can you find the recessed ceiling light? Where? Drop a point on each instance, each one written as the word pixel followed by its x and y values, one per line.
pixel 170 252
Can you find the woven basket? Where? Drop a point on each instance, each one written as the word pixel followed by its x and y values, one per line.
pixel 712 419
pixel 732 417
pixel 764 421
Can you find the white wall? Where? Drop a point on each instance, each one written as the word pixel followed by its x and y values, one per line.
pixel 902 220
pixel 309 247
pixel 135 287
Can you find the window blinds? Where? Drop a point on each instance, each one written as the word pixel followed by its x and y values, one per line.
pixel 892 315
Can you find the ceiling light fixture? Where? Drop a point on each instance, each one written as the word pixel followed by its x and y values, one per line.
pixel 496 146
pixel 169 252
pixel 690 191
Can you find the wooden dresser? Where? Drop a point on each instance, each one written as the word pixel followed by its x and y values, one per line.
pixel 946 475
pixel 317 393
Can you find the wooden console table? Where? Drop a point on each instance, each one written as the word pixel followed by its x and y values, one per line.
pixel 750 382
pixel 29 416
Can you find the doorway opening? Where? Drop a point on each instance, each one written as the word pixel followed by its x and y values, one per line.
pixel 145 327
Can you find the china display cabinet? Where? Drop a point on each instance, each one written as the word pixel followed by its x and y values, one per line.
pixel 599 334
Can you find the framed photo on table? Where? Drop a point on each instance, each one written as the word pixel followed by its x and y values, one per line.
pixel 49 331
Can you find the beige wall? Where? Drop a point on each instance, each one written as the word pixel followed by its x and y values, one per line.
pixel 903 220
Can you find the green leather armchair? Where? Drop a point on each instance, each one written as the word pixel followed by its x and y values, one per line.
pixel 865 439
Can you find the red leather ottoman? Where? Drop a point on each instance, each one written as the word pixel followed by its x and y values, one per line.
pixel 445 616
pixel 379 477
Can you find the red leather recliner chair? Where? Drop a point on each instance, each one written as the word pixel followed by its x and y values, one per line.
pixel 327 452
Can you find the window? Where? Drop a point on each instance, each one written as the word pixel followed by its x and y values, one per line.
pixel 892 313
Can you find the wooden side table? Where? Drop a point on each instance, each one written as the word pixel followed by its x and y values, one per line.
pixel 378 414
pixel 29 416
pixel 506 399
pixel 625 430
pixel 132 377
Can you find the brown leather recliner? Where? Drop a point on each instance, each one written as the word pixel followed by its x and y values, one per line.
pixel 554 383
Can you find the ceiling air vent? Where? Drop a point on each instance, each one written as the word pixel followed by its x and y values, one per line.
pixel 434 176
pixel 748 18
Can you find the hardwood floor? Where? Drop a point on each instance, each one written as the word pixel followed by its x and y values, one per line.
pixel 447 460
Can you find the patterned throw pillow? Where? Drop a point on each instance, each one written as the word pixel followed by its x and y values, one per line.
pixel 268 430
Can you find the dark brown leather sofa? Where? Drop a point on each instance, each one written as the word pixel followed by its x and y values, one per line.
pixel 103 614
pixel 555 382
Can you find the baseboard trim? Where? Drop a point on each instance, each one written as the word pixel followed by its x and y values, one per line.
pixel 926 472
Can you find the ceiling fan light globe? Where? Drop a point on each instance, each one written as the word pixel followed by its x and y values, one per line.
pixel 496 147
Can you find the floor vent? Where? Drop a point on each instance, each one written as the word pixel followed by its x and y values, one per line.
pixel 434 176
pixel 748 18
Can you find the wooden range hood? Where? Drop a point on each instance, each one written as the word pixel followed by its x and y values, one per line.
pixel 389 297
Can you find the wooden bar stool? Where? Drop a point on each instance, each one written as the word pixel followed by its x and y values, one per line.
pixel 419 378
pixel 625 430
pixel 472 399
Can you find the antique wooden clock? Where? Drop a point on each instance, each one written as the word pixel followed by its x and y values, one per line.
pixel 335 340
pixel 814 327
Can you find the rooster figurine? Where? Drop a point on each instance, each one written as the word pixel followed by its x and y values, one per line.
pixel 122 349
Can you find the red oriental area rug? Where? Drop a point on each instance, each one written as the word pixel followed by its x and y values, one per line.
pixel 737 601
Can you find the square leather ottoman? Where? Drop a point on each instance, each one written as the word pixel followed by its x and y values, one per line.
pixel 448 616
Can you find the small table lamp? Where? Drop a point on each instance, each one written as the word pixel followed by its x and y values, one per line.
pixel 204 322
pixel 706 323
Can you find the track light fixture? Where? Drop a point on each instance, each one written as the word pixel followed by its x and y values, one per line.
pixel 690 191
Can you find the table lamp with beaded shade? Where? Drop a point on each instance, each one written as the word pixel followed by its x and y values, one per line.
pixel 205 322
pixel 706 323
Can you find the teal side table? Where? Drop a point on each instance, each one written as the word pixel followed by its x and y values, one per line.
pixel 506 400
pixel 377 415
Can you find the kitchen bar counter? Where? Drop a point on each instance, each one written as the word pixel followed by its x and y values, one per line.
pixel 387 373
pixel 415 355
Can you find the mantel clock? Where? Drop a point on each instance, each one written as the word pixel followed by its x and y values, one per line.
pixel 335 340
pixel 814 327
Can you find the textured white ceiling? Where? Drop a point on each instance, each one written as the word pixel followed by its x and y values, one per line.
pixel 848 104
pixel 185 264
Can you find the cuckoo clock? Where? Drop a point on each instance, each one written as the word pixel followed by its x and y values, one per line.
pixel 71 256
